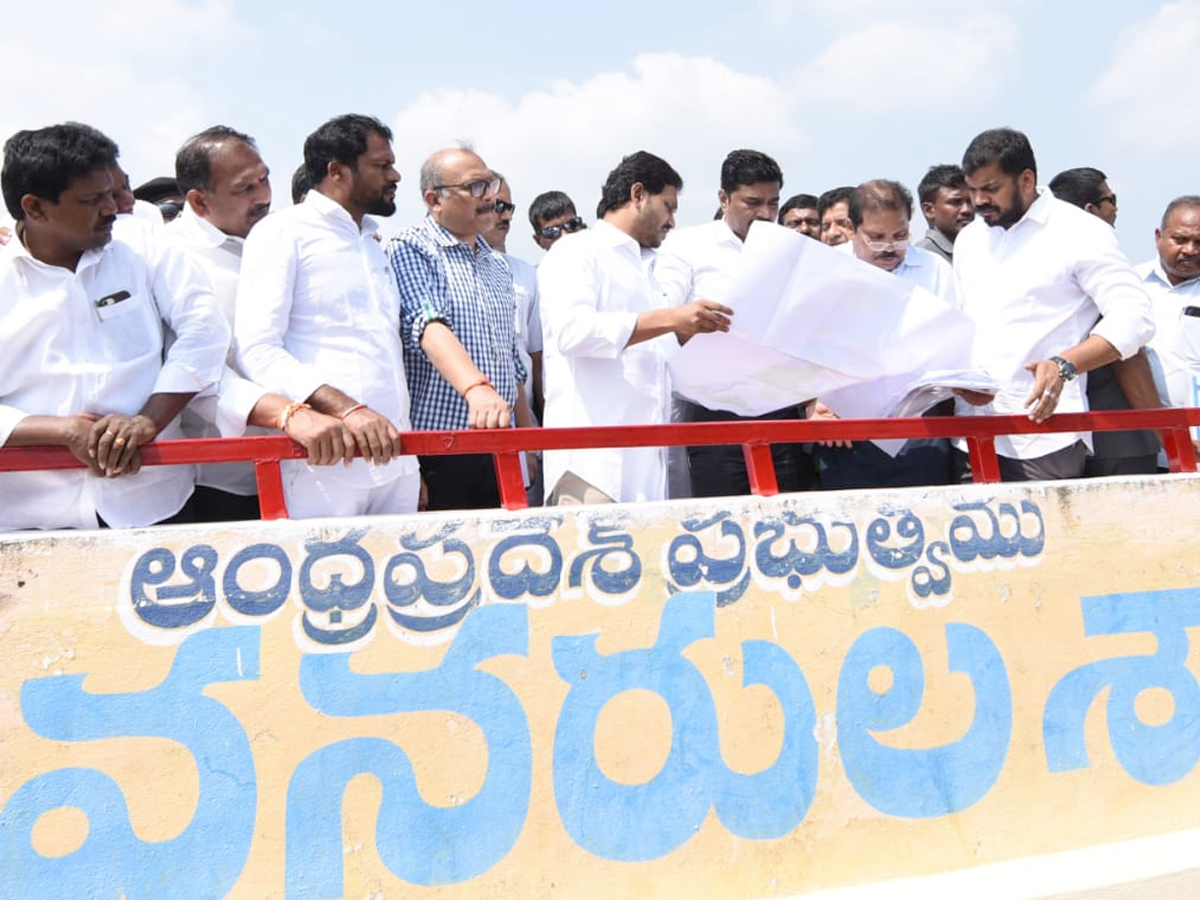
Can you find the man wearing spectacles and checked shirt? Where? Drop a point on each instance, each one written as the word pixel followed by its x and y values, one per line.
pixel 552 215
pixel 457 316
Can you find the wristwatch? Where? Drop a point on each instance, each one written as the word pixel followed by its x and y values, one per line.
pixel 1066 368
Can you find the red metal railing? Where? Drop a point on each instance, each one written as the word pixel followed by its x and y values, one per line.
pixel 755 437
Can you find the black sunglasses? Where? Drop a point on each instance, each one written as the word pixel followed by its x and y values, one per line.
pixel 503 206
pixel 570 226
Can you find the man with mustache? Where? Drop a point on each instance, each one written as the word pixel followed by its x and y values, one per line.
pixel 1172 279
pixel 84 363
pixel 946 205
pixel 227 191
pixel 608 331
pixel 316 315
pixel 1036 273
pixel 458 311
pixel 881 212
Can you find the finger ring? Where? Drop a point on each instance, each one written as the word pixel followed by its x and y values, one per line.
pixel 120 442
pixel 109 433
pixel 1047 393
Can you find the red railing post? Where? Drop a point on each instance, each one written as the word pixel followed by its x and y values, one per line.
pixel 1181 453
pixel 509 480
pixel 271 502
pixel 985 465
pixel 760 467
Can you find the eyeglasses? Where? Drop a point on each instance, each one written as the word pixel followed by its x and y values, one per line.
pixel 476 189
pixel 1111 198
pixel 503 206
pixel 570 226
pixel 884 246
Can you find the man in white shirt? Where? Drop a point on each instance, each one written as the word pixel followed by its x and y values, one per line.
pixel 881 213
pixel 83 320
pixel 1035 273
pixel 608 331
pixel 1173 281
pixel 698 263
pixel 1125 384
pixel 227 191
pixel 528 324
pixel 317 320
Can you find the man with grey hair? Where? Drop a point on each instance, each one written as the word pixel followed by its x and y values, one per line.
pixel 457 324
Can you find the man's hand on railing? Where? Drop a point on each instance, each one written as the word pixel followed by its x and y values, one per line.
pixel 327 439
pixel 486 408
pixel 377 439
pixel 113 441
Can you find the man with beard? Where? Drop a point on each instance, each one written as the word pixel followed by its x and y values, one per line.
pixel 1036 273
pixel 608 332
pixel 227 191
pixel 317 309
pixel 458 311
pixel 946 205
pixel 84 363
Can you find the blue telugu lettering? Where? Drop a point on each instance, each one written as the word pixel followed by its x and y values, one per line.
pixel 113 861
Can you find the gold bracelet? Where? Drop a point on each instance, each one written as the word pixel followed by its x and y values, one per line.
pixel 288 412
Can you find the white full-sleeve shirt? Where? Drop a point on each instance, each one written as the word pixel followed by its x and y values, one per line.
pixel 698 263
pixel 317 304
pixel 225 413
pixel 1036 290
pixel 91 342
pixel 593 284
pixel 1175 350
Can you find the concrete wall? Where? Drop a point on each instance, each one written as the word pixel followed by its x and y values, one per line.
pixel 952 692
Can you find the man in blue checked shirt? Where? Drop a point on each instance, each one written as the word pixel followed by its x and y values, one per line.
pixel 457 325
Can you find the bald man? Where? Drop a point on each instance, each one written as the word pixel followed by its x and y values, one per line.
pixel 457 323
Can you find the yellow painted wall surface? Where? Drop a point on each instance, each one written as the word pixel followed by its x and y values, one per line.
pixel 720 699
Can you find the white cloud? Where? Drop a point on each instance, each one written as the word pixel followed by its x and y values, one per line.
pixel 91 65
pixel 1144 94
pixel 689 110
pixel 871 69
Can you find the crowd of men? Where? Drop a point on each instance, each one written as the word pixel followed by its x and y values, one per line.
pixel 205 314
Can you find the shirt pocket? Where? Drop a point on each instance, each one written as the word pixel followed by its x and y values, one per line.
pixel 129 327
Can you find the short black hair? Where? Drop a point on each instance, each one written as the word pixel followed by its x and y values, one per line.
pixel 342 139
pixel 833 197
pixel 549 205
pixel 193 162
pixel 1006 146
pixel 879 194
pixel 300 183
pixel 1078 187
pixel 651 172
pixel 746 167
pixel 45 161
pixel 796 201
pixel 947 175
pixel 1190 201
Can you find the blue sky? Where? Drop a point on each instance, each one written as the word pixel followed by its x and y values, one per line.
pixel 838 91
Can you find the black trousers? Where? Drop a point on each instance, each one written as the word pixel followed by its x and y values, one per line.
pixel 461 481
pixel 720 471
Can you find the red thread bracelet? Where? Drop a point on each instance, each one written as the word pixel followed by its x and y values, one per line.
pixel 470 387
